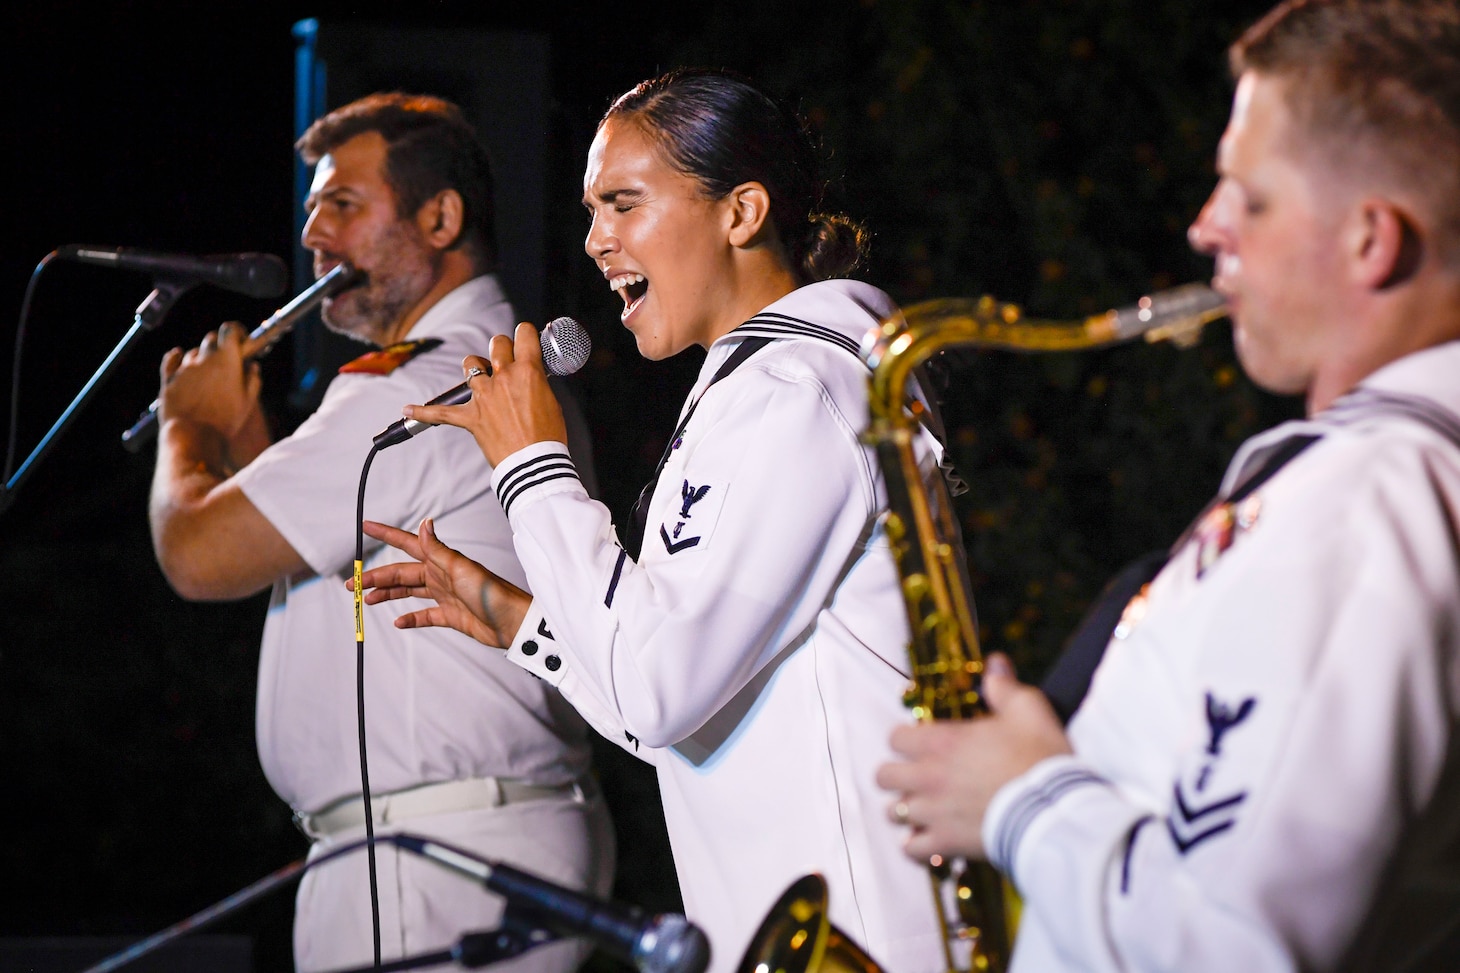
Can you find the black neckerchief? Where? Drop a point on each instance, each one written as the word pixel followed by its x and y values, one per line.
pixel 633 539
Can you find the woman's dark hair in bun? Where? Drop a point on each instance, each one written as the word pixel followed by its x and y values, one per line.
pixel 720 130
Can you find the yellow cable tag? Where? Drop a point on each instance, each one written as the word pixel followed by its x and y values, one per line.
pixel 359 602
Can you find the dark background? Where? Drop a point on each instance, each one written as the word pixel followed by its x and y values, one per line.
pixel 1049 152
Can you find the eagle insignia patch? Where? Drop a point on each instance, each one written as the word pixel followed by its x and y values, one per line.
pixel 691 524
pixel 1200 809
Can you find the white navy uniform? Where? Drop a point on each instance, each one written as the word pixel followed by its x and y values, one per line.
pixel 439 707
pixel 756 652
pixel 1252 750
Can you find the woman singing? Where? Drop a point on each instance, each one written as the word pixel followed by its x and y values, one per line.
pixel 746 635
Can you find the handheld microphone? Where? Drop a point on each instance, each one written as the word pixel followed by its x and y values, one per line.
pixel 565 348
pixel 667 943
pixel 254 274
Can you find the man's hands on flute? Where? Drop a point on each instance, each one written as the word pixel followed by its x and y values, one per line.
pixel 468 597
pixel 216 386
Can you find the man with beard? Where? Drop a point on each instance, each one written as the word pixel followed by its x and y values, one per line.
pixel 463 746
pixel 1265 773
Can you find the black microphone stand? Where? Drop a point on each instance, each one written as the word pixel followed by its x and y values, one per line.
pixel 518 933
pixel 520 929
pixel 149 315
pixel 201 920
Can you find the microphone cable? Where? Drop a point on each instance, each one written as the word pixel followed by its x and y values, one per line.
pixel 567 351
pixel 360 698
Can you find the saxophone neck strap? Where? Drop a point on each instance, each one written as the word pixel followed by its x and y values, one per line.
pixel 1069 678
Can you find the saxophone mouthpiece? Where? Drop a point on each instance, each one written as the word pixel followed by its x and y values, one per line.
pixel 1177 315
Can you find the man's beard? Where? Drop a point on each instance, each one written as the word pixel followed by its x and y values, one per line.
pixel 402 276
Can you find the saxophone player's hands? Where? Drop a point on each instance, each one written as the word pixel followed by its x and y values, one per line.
pixel 952 770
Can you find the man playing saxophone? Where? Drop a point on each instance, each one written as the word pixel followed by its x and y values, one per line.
pixel 1265 772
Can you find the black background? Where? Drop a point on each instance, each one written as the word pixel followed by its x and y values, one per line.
pixel 1047 152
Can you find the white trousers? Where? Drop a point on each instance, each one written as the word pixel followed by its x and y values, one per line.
pixel 425 907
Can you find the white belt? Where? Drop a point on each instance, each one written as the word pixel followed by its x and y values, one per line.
pixel 474 793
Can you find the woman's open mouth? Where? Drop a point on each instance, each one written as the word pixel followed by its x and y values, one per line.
pixel 632 288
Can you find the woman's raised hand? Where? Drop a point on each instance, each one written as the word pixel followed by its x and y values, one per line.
pixel 468 597
pixel 512 406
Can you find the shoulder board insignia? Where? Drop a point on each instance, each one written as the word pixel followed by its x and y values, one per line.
pixel 385 360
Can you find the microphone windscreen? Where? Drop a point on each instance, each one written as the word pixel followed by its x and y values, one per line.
pixel 254 274
pixel 565 346
pixel 672 944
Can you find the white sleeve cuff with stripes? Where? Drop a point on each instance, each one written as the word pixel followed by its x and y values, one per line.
pixel 534 472
pixel 1016 804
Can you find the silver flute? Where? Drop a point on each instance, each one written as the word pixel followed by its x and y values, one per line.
pixel 261 338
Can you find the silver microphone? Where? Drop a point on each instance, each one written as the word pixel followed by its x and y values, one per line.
pixel 565 348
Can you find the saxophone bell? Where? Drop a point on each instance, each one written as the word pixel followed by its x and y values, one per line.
pixel 797 937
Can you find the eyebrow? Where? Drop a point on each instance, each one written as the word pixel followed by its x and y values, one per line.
pixel 328 192
pixel 615 195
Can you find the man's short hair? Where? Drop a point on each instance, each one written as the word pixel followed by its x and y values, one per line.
pixel 430 147
pixel 1378 76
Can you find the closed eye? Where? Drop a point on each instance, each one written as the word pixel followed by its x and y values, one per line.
pixel 335 202
pixel 622 200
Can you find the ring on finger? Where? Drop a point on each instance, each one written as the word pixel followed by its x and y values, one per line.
pixel 899 812
pixel 474 371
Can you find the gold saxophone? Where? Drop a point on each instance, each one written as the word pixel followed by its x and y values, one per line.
pixel 977 909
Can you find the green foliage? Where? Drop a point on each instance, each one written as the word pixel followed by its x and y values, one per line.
pixel 1052 154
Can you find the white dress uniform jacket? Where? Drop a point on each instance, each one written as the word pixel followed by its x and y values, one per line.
pixel 1254 747
pixel 756 652
pixel 438 706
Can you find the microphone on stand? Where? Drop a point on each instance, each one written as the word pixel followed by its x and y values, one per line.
pixel 565 348
pixel 253 274
pixel 666 943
